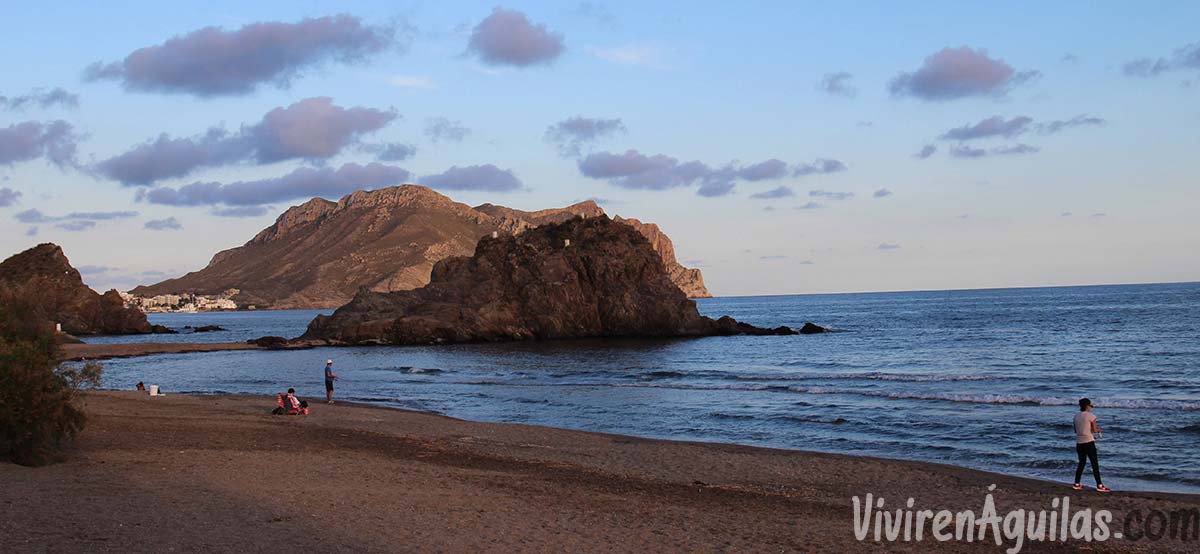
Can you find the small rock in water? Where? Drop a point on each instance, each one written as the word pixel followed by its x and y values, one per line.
pixel 811 328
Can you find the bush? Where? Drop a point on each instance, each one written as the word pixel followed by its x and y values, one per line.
pixel 39 406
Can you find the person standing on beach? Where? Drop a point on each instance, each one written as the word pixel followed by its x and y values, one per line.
pixel 329 381
pixel 1085 444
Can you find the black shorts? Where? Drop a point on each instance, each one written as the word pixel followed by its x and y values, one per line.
pixel 328 385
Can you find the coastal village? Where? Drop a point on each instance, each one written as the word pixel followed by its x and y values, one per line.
pixel 183 303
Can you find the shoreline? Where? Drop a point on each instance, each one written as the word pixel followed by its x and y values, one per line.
pixel 219 472
pixel 75 352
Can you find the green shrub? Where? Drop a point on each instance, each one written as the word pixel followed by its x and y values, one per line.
pixel 39 406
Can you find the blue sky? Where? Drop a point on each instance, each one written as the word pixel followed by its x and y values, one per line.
pixel 723 85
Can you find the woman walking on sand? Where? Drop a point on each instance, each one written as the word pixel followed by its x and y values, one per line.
pixel 1085 444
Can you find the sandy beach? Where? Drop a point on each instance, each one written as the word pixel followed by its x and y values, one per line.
pixel 220 474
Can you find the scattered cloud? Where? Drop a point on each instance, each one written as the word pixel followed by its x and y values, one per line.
pixel 953 73
pixel 1069 58
pixel 474 177
pixel 634 170
pixel 94 269
pixel 1016 149
pixel 887 246
pixel 72 222
pixel 239 211
pixel 1065 214
pixel 412 81
pixel 925 152
pixel 9 197
pixel 305 182
pixel 1099 214
pixel 391 151
pixel 778 192
pixel 837 84
pixel 216 62
pixel 1081 120
pixel 773 168
pixel 810 206
pixel 76 226
pixel 830 194
pixel 440 128
pixel 313 128
pixel 40 98
pixel 806 262
pixel 168 224
pixel 1184 58
pixel 507 37
pixel 776 257
pixel 573 133
pixel 55 141
pixel 819 166
pixel 967 152
pixel 964 151
pixel 882 193
pixel 995 126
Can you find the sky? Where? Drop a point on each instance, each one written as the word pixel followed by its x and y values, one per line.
pixel 785 147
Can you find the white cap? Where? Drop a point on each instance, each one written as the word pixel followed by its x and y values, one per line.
pixel 329 361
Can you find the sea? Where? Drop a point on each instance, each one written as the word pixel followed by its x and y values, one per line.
pixel 986 379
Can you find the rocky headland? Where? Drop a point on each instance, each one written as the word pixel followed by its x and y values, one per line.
pixel 320 253
pixel 581 278
pixel 43 277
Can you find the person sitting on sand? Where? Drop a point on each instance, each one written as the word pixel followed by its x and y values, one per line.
pixel 293 405
pixel 1085 444
pixel 141 386
pixel 329 379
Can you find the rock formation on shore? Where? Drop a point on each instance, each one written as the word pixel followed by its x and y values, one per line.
pixel 318 254
pixel 584 277
pixel 44 276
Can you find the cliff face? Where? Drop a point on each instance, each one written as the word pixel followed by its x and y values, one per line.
pixel 44 275
pixel 580 278
pixel 318 254
pixel 688 280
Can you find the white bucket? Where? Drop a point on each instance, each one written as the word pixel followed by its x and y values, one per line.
pixel 154 390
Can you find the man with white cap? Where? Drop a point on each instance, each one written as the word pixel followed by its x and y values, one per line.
pixel 329 378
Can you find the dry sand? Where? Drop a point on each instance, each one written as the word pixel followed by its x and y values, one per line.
pixel 219 474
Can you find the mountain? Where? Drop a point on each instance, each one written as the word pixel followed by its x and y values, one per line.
pixel 582 278
pixel 44 276
pixel 320 253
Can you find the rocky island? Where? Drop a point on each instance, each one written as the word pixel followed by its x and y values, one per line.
pixel 320 253
pixel 43 275
pixel 584 277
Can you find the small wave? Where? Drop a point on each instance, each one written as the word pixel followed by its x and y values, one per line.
pixel 652 375
pixel 723 415
pixel 1013 399
pixel 810 419
pixel 415 370
pixel 1194 429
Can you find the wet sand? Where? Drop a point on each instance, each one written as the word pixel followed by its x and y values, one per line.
pixel 82 351
pixel 220 474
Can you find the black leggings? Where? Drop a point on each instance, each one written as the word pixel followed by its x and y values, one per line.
pixel 1087 451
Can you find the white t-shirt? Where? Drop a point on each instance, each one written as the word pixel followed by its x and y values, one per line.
pixel 1083 427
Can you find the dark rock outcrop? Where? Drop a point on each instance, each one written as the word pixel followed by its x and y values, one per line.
pixel 270 343
pixel 204 328
pixel 581 278
pixel 811 328
pixel 44 275
pixel 319 254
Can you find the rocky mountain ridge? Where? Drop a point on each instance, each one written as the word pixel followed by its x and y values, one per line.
pixel 320 253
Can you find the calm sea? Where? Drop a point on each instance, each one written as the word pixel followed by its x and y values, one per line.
pixel 986 379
